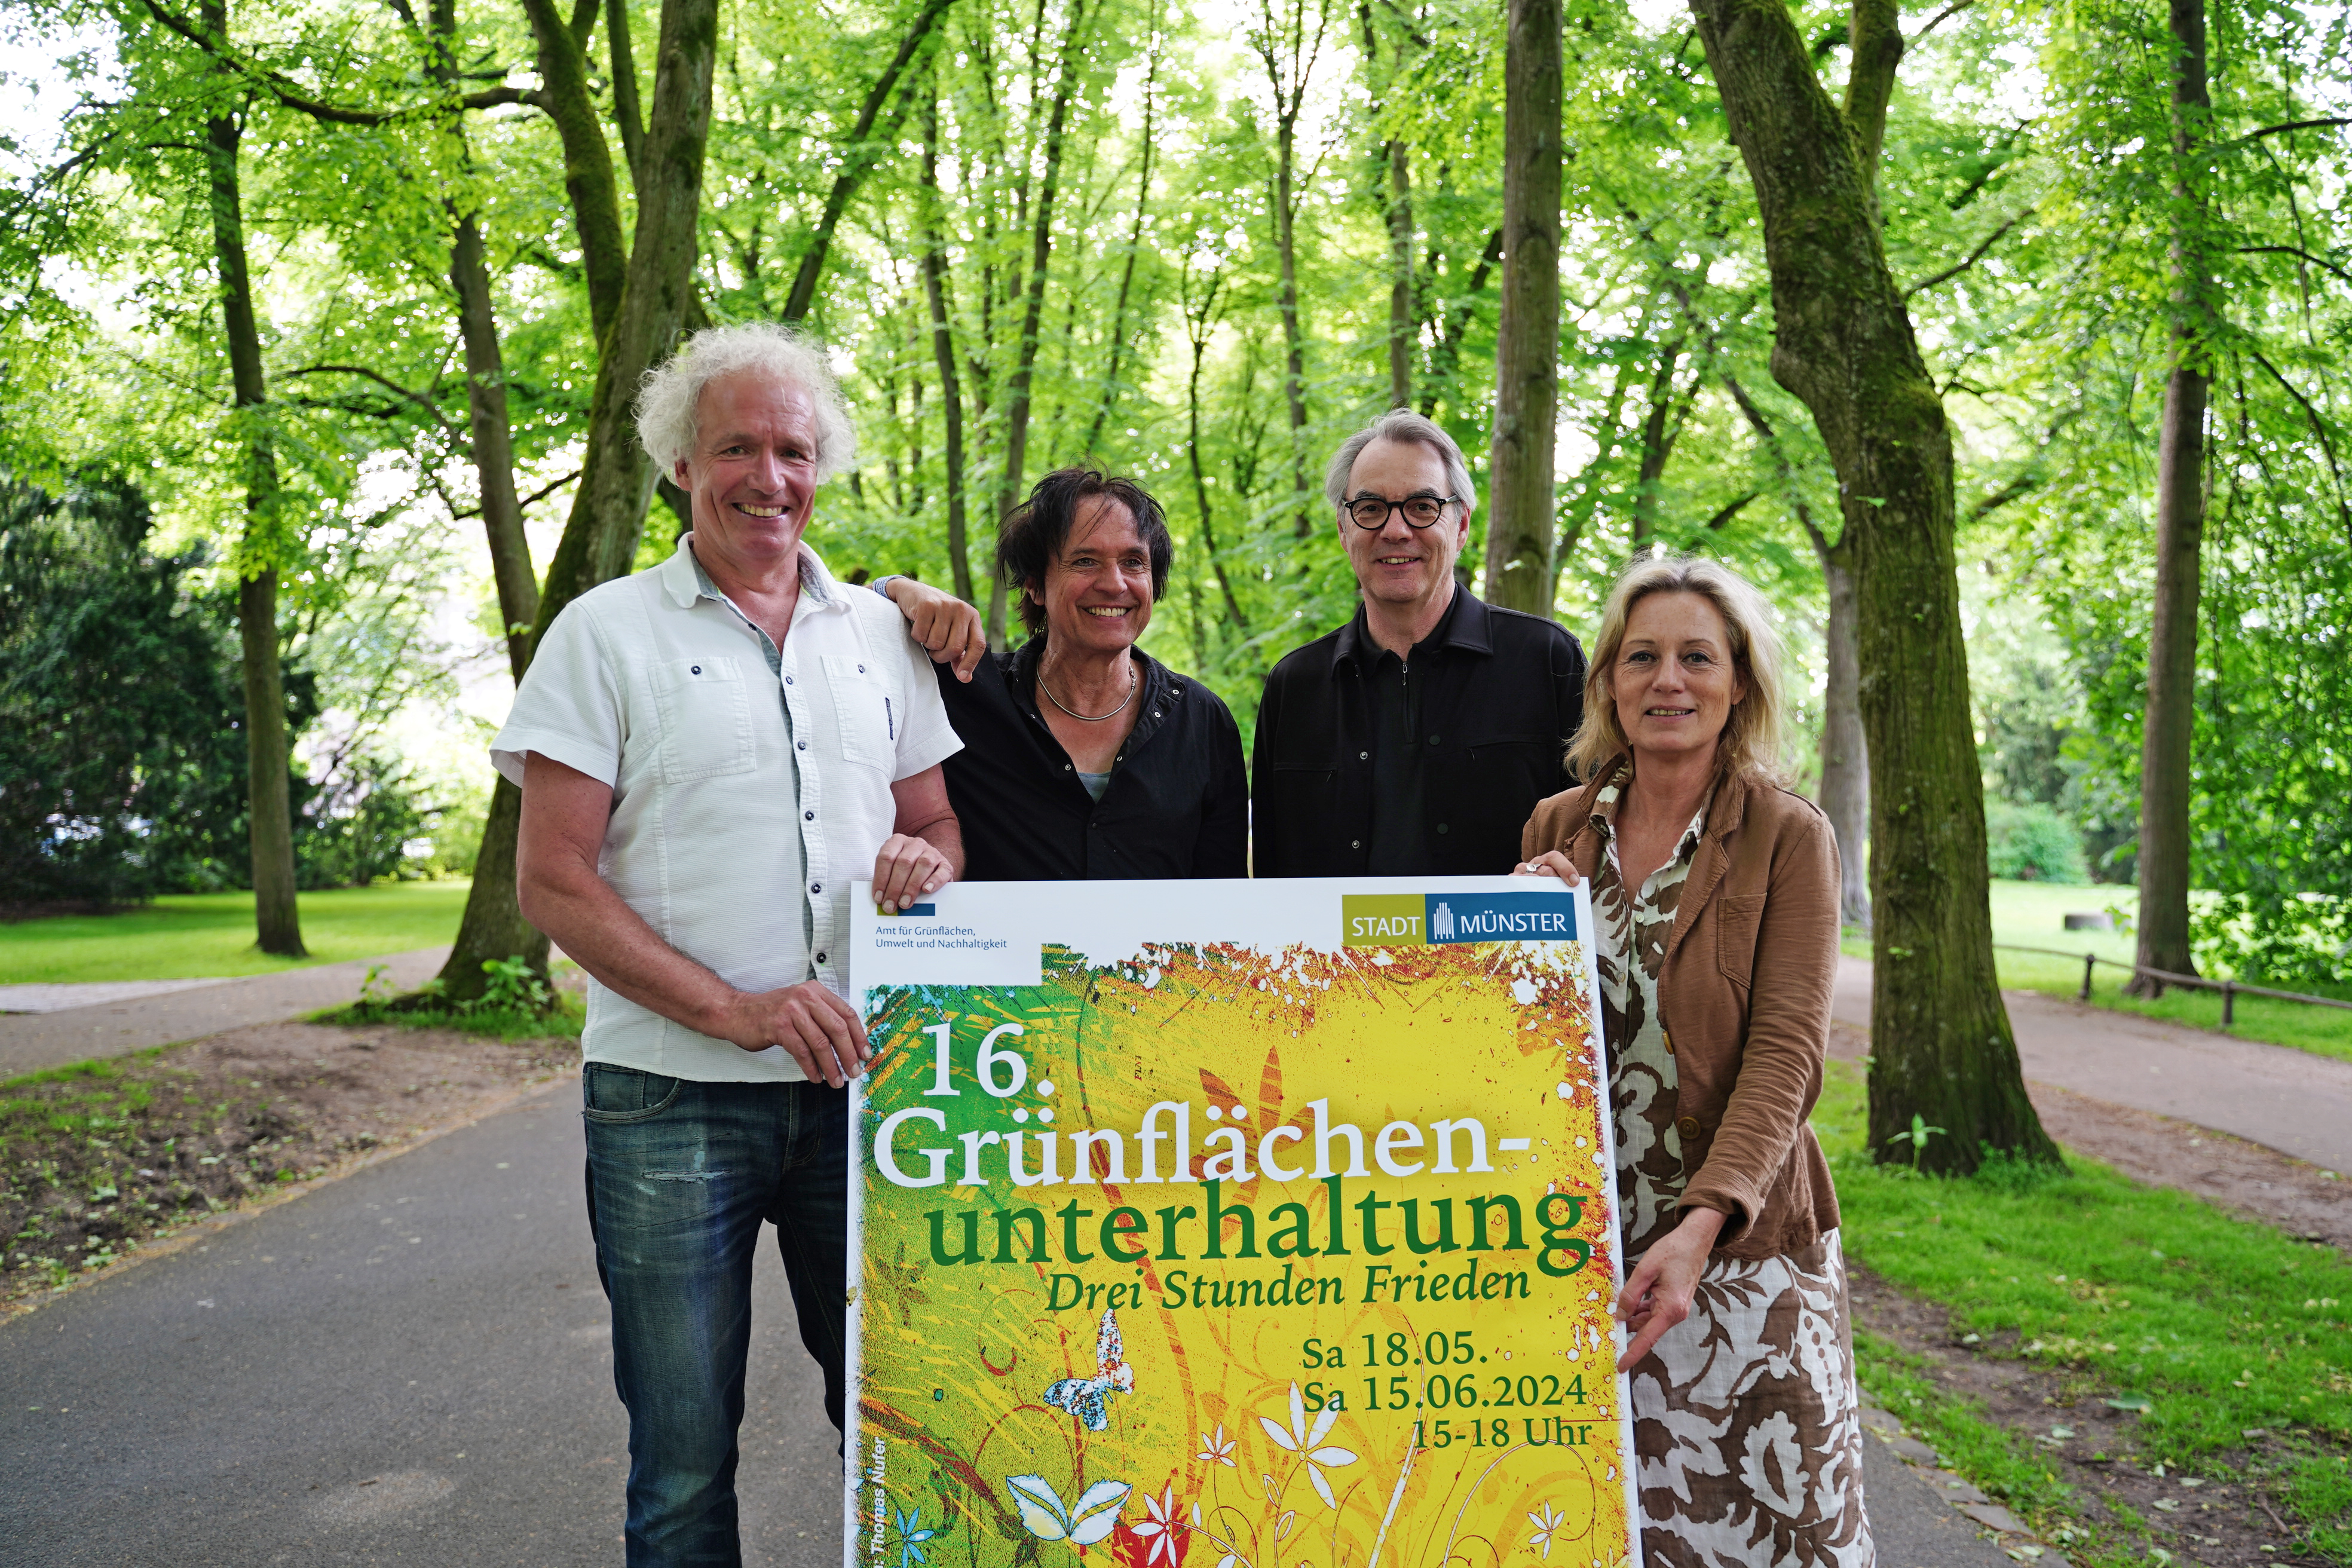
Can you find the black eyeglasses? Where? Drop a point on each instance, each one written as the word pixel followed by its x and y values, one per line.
pixel 1420 512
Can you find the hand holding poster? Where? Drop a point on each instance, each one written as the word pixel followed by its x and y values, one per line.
pixel 1241 1225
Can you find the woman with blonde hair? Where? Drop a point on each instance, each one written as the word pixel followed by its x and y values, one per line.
pixel 1715 900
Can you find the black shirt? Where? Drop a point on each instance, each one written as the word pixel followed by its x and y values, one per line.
pixel 1486 704
pixel 1176 804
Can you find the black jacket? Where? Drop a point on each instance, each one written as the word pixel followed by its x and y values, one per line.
pixel 1504 692
pixel 1176 804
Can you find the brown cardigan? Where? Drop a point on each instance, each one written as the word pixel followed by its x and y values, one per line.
pixel 1743 997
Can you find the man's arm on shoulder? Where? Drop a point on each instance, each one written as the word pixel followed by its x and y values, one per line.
pixel 949 629
pixel 925 851
pixel 564 814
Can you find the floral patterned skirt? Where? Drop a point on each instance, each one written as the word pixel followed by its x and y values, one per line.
pixel 1747 1425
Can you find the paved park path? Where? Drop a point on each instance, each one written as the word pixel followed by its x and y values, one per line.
pixel 2293 1101
pixel 114 1023
pixel 412 1365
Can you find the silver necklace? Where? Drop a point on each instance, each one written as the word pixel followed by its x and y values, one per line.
pixel 1087 718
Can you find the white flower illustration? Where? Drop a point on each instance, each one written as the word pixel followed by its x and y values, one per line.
pixel 1546 1520
pixel 1217 1450
pixel 1158 1527
pixel 1303 1441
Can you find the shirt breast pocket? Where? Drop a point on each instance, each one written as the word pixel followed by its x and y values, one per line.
pixel 866 714
pixel 705 720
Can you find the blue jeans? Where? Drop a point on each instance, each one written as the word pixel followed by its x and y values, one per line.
pixel 680 1176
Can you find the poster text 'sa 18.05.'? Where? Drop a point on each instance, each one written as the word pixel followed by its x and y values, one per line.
pixel 1234 1225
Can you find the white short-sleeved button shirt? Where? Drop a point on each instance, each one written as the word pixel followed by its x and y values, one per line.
pixel 744 801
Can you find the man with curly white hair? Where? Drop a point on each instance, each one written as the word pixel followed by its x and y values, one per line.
pixel 709 751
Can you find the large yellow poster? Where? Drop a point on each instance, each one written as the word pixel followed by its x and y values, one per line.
pixel 1234 1225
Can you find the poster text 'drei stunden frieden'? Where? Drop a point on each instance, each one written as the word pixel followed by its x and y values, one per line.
pixel 1234 1224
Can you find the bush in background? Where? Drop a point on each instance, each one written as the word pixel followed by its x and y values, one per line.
pixel 350 832
pixel 122 775
pixel 2298 941
pixel 454 811
pixel 2033 842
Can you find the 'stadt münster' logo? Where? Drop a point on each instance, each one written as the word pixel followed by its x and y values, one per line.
pixel 1419 920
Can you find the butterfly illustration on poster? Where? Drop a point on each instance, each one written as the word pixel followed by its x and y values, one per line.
pixel 1087 1397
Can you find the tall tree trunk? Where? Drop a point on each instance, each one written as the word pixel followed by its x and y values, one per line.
pixel 1941 1046
pixel 2168 729
pixel 935 291
pixel 600 538
pixel 1134 248
pixel 1519 520
pixel 485 381
pixel 616 481
pixel 1453 324
pixel 1845 796
pixel 1584 495
pixel 1289 56
pixel 1658 433
pixel 587 160
pixel 496 928
pixel 1294 352
pixel 626 113
pixel 1041 252
pixel 865 148
pixel 1198 328
pixel 278 923
pixel 277 919
pixel 1404 320
pixel 493 442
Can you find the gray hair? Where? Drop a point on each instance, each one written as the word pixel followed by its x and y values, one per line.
pixel 669 403
pixel 1400 424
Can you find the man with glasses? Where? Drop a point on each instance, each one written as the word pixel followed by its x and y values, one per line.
pixel 1417 738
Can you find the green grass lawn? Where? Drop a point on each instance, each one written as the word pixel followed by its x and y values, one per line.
pixel 197 935
pixel 2031 914
pixel 2223 1326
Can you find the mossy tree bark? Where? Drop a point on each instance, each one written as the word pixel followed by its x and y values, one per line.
pixel 588 179
pixel 1941 1047
pixel 638 329
pixel 278 923
pixel 2169 723
pixel 1519 509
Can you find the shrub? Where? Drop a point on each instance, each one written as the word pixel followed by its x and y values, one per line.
pixel 2302 939
pixel 348 834
pixel 2033 842
pixel 122 773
